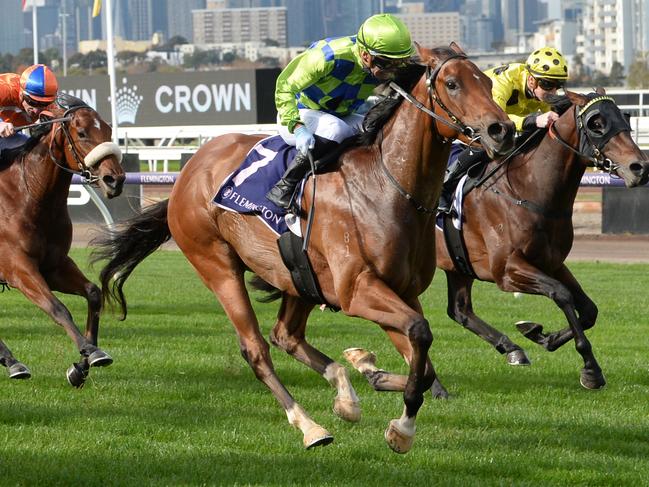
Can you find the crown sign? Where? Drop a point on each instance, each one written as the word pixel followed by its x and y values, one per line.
pixel 128 102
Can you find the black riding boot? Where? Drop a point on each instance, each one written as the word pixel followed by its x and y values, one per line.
pixel 282 193
pixel 465 161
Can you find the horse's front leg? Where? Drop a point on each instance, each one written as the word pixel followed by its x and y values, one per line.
pixel 382 380
pixel 15 369
pixel 586 308
pixel 372 299
pixel 26 277
pixel 522 276
pixel 68 278
pixel 289 334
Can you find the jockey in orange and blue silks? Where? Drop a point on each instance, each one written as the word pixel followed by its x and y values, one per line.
pixel 320 92
pixel 22 99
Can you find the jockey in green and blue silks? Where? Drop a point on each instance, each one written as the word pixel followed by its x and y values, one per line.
pixel 319 92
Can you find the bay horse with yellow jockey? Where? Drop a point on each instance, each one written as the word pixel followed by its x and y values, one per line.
pixel 370 246
pixel 35 227
pixel 517 230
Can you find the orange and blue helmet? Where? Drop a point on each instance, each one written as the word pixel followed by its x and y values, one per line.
pixel 38 82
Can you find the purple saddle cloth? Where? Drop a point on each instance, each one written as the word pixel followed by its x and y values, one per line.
pixel 244 190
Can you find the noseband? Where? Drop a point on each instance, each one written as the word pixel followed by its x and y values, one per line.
pixel 431 78
pixel 86 163
pixel 591 142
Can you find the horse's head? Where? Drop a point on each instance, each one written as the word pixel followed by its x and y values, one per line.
pixel 605 138
pixel 462 94
pixel 82 143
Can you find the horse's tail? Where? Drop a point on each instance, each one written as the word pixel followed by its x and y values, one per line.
pixel 127 246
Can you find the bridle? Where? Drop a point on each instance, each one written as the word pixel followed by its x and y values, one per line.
pixel 455 123
pixel 591 143
pixel 85 164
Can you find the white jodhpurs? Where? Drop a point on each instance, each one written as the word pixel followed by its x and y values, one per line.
pixel 325 125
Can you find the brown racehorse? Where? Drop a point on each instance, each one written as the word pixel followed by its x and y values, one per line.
pixel 370 246
pixel 35 227
pixel 518 229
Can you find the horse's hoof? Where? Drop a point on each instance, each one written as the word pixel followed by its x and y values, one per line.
pixel 99 358
pixel 518 357
pixel 397 439
pixel 19 371
pixel 77 376
pixel 361 359
pixel 438 390
pixel 347 409
pixel 317 436
pixel 592 380
pixel 531 331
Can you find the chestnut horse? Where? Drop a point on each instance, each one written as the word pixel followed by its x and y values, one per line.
pixel 518 229
pixel 35 227
pixel 370 245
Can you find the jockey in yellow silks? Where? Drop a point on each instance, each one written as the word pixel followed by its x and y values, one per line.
pixel 520 90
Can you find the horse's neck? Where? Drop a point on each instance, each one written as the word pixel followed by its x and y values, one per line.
pixel 552 173
pixel 42 177
pixel 408 148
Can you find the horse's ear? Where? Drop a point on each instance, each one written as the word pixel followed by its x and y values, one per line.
pixel 576 98
pixel 600 91
pixel 423 54
pixel 454 46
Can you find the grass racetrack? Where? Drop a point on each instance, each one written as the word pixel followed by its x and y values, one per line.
pixel 180 406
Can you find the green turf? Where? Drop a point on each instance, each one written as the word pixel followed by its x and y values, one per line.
pixel 180 407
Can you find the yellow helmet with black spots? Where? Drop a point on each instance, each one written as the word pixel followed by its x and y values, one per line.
pixel 548 63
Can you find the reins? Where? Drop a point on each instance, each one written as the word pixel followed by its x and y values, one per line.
pixel 455 123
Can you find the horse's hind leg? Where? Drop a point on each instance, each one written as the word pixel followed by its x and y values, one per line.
pixel 460 309
pixel 522 276
pixel 289 335
pixel 15 369
pixel 222 273
pixel 585 307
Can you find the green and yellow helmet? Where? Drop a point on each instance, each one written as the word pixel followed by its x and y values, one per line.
pixel 385 35
pixel 548 63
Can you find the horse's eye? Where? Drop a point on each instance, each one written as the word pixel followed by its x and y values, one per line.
pixel 595 124
pixel 451 85
pixel 82 134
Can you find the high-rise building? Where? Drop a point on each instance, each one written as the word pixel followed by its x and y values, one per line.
pixel 11 33
pixel 433 29
pixel 305 19
pixel 609 30
pixel 343 18
pixel 238 25
pixel 179 17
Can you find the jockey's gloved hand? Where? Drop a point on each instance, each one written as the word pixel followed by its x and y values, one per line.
pixel 304 140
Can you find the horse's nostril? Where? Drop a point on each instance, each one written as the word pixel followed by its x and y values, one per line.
pixel 495 131
pixel 639 168
pixel 109 181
